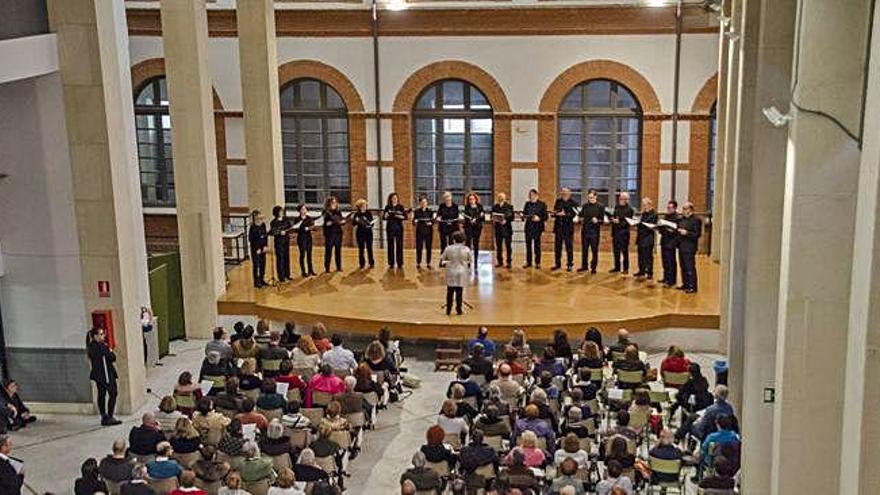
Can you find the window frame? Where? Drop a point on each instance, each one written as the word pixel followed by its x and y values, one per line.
pixel 323 115
pixel 710 159
pixel 164 165
pixel 438 116
pixel 584 114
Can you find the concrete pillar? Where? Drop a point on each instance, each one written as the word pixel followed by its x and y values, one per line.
pixel 721 136
pixel 861 425
pixel 822 183
pixel 262 114
pixel 185 37
pixel 99 114
pixel 757 229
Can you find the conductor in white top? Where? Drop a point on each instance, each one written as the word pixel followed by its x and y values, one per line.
pixel 457 259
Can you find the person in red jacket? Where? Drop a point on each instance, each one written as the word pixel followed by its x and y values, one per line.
pixel 188 485
pixel 675 362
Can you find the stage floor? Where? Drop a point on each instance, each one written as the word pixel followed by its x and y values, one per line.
pixel 411 301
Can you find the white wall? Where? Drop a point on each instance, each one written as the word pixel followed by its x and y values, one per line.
pixel 42 290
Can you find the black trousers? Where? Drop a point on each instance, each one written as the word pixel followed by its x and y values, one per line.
pixel 258 267
pixel 688 263
pixel 445 235
pixel 424 239
pixel 646 259
pixel 282 258
pixel 107 393
pixel 458 294
pixel 670 265
pixel 533 245
pixel 620 244
pixel 333 249
pixel 589 246
pixel 502 243
pixel 305 256
pixel 364 238
pixel 564 239
pixel 472 238
pixel 395 248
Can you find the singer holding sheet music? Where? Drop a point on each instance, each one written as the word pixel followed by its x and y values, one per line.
pixel 592 215
pixel 423 218
pixel 457 259
pixel 304 228
pixel 448 213
pixel 474 216
pixel 279 229
pixel 394 214
pixel 502 218
pixel 363 233
pixel 689 228
pixel 563 228
pixel 534 214
pixel 645 238
pixel 333 222
pixel 669 243
pixel 620 233
pixel 258 239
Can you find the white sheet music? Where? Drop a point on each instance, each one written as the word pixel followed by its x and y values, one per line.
pixel 650 225
pixel 632 221
pixel 667 223
pixel 281 388
pixel 206 386
pixel 319 222
pixel 249 431
pixel 615 394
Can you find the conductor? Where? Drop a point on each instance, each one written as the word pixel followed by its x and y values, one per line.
pixel 457 259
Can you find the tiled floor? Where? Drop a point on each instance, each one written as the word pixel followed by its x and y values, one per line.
pixel 54 448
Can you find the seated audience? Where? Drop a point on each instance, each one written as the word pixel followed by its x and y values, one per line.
pixel 233 441
pixel 463 409
pixel 256 468
pixel 512 359
pixel 271 356
pixel 167 415
pixel 305 355
pixel 248 378
pixel 545 383
pixel 186 439
pixel 90 482
pixel 378 358
pixel 614 479
pixel 117 466
pixel 471 388
pixel 249 416
pixel 262 335
pixel 216 369
pixel 219 345
pixel 275 442
pixel 325 381
pixel 518 475
pixel 479 363
pixel 293 381
pixel 539 398
pixel 619 452
pixel 163 466
pixel 334 419
pixel 270 399
pixel 560 344
pixel 590 357
pixel 722 437
pixel 435 450
pixel 631 362
pixel 571 449
pixel 592 334
pixel 528 446
pixel 230 398
pixel 294 418
pixel 477 454
pixel 722 478
pixel 519 342
pixel 492 397
pixel 245 347
pixel 509 388
pixel 289 337
pixel 450 422
pixel 675 362
pixel 531 422
pixel 285 484
pixel 492 424
pixel 482 339
pixel 365 383
pixel 616 350
pixel 234 485
pixel 665 450
pixel 567 471
pixel 188 485
pixel 144 439
pixel 208 469
pixel 137 485
pixel 352 401
pixel 186 393
pixel 14 414
pixel 323 446
pixel 424 478
pixel 706 424
pixel 306 468
pixel 206 420
pixel 548 363
pixel 338 357
pixel 319 336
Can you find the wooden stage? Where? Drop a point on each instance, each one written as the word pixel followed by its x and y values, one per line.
pixel 411 302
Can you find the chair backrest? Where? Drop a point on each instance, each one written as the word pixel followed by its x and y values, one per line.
pixel 658 396
pixel 441 468
pixel 282 461
pixel 487 471
pixel 597 374
pixel 675 378
pixel 251 394
pixel 257 487
pixel 271 414
pixel 479 379
pixel 304 373
pixel 342 438
pixel 453 439
pixel 187 401
pixel 219 381
pixel 618 356
pixel 496 442
pixel 164 487
pixel 665 466
pixel 299 437
pixel 187 460
pixel 271 364
pixel 315 414
pixel 321 399
pixel 294 394
pixel 630 377
pixel 328 464
pixel 631 445
pixel 356 419
pixel 638 419
pixel 586 444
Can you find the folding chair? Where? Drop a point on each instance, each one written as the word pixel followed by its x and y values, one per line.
pixel 496 442
pixel 271 414
pixel 281 461
pixel 294 394
pixel 668 467
pixel 251 394
pixel 327 464
pixel 271 365
pixel 342 438
pixel 304 373
pixel 675 379
pixel 315 414
pixel 638 419
pixel 453 440
pixel 487 471
pixel 164 487
pixel 186 401
pixel 441 468
pixel 187 460
pixel 630 377
pixel 321 399
pixel 299 438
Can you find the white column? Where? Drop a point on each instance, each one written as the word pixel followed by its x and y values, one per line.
pixel 721 136
pixel 262 114
pixel 185 37
pixel 98 107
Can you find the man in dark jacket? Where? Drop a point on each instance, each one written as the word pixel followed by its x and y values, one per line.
pixel 534 214
pixel 424 478
pixel 690 227
pixel 620 233
pixel 143 439
pixel 10 479
pixel 477 454
pixel 502 219
pixel 117 466
pixel 669 243
pixel 592 216
pixel 563 228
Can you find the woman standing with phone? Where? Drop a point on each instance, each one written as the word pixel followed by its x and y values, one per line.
pixel 103 374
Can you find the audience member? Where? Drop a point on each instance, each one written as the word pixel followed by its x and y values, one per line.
pixel 614 479
pixel 482 339
pixel 665 450
pixel 186 439
pixel 248 416
pixel 422 477
pixel 571 449
pixel 270 399
pixel 163 466
pixel 188 485
pixel 234 485
pixel 722 478
pixel 528 446
pixel 245 347
pixel 256 468
pixel 167 415
pixel 319 336
pixel 531 422
pixel 271 356
pixel 12 408
pixel 117 466
pixel 144 439
pixel 491 424
pixel 233 441
pixel 137 485
pixel 294 419
pixel 560 344
pixel 305 355
pixel 479 363
pixel 435 450
pixel 306 468
pixel 219 345
pixel 285 484
pixel 325 381
pixel 275 443
pixel 215 369
pixel 208 468
pixel 90 481
pixel 338 357
pixel 567 478
pixel 477 454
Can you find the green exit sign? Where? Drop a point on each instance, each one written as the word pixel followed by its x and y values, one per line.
pixel 769 395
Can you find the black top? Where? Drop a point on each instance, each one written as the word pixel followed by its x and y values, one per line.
pixel 10 482
pixel 394 217
pixel 88 487
pixel 362 220
pixel 333 221
pixel 102 359
pixel 563 216
pixel 186 445
pixel 258 237
pixel 506 211
pixel 694 227
pixel 116 470
pixel 309 474
pixel 143 440
pixel 448 216
pixel 424 220
pixel 439 453
pixel 535 208
pixel 645 234
pixel 669 236
pixel 304 229
pixel 474 216
pixel 279 228
pixel 137 489
pixel 588 212
pixel 621 213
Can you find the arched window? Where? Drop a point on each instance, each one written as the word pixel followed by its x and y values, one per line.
pixel 713 143
pixel 153 125
pixel 453 141
pixel 600 136
pixel 314 137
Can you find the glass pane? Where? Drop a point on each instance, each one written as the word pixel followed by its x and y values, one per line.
pixel 453 126
pixel 481 126
pixel 625 99
pixel 309 94
pixel 599 124
pixel 570 125
pixel 569 172
pixel 599 94
pixel 428 99
pixel 570 156
pixel 425 125
pixel 478 100
pixel 334 101
pixel 163 91
pixel 287 102
pixel 145 97
pixel 481 141
pixel 573 100
pixel 598 156
pixel 453 95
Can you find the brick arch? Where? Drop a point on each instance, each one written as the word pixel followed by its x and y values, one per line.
pixel 354 104
pixel 298 69
pixel 641 89
pixel 450 69
pixel 153 67
pixel 698 154
pixel 401 124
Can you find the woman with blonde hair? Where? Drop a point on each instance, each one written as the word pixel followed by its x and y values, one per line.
pixel 234 485
pixel 167 415
pixel 285 484
pixel 248 378
pixel 528 446
pixel 362 220
pixel 449 421
pixel 186 439
pixel 305 354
